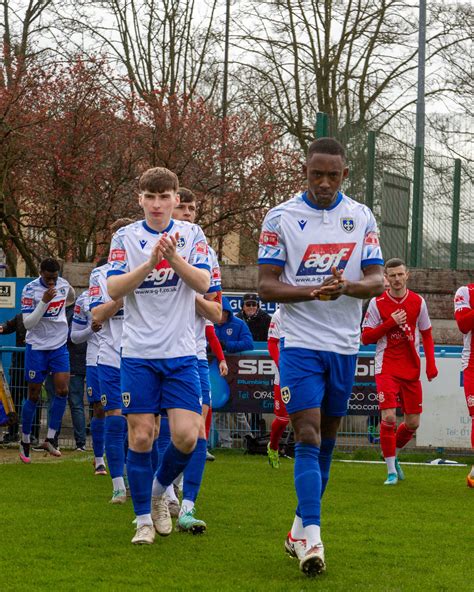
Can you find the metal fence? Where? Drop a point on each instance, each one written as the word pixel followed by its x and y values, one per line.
pixel 446 214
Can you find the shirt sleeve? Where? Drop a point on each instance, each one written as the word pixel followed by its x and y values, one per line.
pixel 199 255
pixel 96 290
pixel 371 251
pixel 372 317
pixel 118 255
pixel 80 316
pixel 424 322
pixel 271 247
pixel 274 330
pixel 215 273
pixel 28 303
pixel 461 299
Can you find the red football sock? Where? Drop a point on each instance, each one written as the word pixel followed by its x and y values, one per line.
pixel 403 436
pixel 208 422
pixel 387 438
pixel 278 427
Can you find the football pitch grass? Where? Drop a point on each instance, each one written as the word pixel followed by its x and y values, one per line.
pixel 59 533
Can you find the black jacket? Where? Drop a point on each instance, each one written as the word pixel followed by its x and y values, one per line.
pixel 258 324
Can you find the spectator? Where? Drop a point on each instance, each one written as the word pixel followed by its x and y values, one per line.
pixel 234 336
pixel 232 332
pixel 257 320
pixel 77 361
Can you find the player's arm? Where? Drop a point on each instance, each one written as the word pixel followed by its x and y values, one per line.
pixel 9 326
pixel 274 349
pixel 103 312
pixel 465 319
pixel 271 289
pixel 30 320
pixel 209 306
pixel 71 296
pixel 428 347
pixel 369 286
pixel 196 278
pixel 79 333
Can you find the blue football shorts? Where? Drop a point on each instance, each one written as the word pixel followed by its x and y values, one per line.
pixel 153 386
pixel 203 368
pixel 92 384
pixel 316 379
pixel 41 362
pixel 109 381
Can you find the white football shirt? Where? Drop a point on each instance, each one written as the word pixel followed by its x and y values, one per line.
pixel 159 314
pixel 464 299
pixel 306 241
pixel 201 322
pixel 83 318
pixel 110 336
pixel 52 330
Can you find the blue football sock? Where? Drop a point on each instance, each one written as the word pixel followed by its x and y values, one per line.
pixel 325 457
pixel 125 439
pixel 114 431
pixel 140 478
pixel 27 416
pixel 165 435
pixel 155 456
pixel 194 470
pixel 58 407
pixel 97 433
pixel 173 462
pixel 308 483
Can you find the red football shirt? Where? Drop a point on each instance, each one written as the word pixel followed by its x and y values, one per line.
pixel 464 313
pixel 397 352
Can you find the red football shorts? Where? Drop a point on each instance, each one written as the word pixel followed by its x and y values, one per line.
pixel 279 408
pixel 469 389
pixel 395 392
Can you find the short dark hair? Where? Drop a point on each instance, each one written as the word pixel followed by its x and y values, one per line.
pixel 158 180
pixel 120 223
pixel 50 264
pixel 101 261
pixel 394 262
pixel 186 195
pixel 327 146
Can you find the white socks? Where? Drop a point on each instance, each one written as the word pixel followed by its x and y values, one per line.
pixel 186 507
pixel 390 460
pixel 144 519
pixel 118 483
pixel 297 529
pixel 51 433
pixel 157 488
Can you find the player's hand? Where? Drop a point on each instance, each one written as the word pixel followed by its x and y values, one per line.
pixel 167 245
pixel 332 287
pixel 155 257
pixel 49 295
pixel 223 368
pixel 95 326
pixel 431 373
pixel 399 316
pixel 1 329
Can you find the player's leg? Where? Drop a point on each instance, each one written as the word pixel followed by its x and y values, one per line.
pixel 279 425
pixel 329 428
pixel 469 392
pixel 411 401
pixel 76 405
pixel 98 419
pixel 114 429
pixel 58 365
pixel 141 387
pixel 387 393
pixel 302 379
pixel 35 372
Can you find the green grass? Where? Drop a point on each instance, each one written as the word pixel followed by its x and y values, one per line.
pixel 59 533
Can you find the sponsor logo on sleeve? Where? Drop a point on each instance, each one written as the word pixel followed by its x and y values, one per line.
pixel 269 238
pixel 27 301
pixel 202 248
pixel 77 309
pixel 94 291
pixel 117 255
pixel 216 273
pixel 371 238
pixel 318 259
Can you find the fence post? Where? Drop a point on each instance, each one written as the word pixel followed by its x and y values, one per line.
pixel 455 217
pixel 321 127
pixel 370 181
pixel 417 209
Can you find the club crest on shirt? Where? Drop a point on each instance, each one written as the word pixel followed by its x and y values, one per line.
pixel 229 331
pixel 126 399
pixel 181 242
pixel 285 395
pixel 381 397
pixel 347 224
